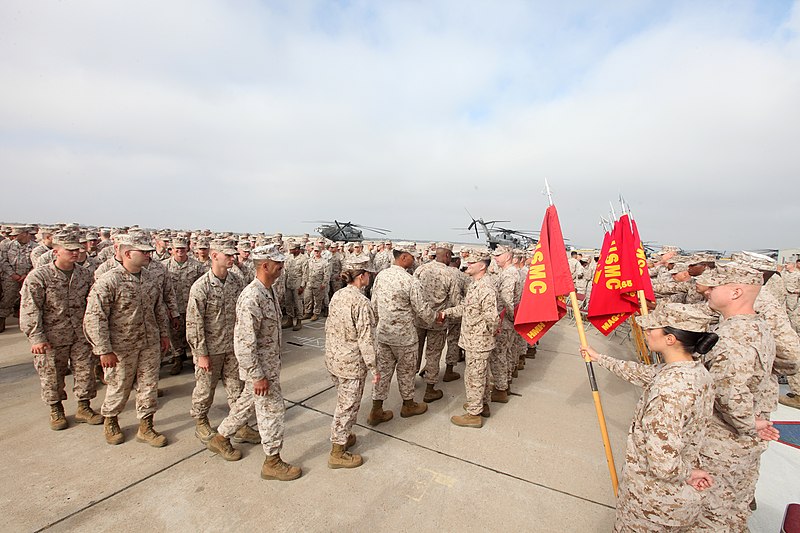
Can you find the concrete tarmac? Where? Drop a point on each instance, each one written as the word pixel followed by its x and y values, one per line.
pixel 537 464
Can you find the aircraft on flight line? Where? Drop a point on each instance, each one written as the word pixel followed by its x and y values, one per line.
pixel 498 236
pixel 344 231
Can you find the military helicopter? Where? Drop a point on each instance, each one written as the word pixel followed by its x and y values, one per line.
pixel 344 231
pixel 497 236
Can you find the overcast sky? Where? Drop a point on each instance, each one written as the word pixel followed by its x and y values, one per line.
pixel 256 115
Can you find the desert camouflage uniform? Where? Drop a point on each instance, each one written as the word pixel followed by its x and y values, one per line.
pixel 15 258
pixel 504 360
pixel 787 342
pixel 257 344
pixel 479 320
pixel 47 256
pixel 105 253
pixel 791 281
pixel 210 320
pixel 664 442
pixel 126 316
pixel 349 352
pixel 740 365
pixel 777 288
pixel 336 271
pixel 396 301
pixel 37 252
pixel 182 275
pixel 672 291
pixel 296 278
pixel 89 264
pixel 317 288
pixel 441 289
pixel 51 310
pixel 692 296
pixel 383 260
pixel 454 324
pixel 161 256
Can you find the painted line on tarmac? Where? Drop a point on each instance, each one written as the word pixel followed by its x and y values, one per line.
pixel 118 491
pixel 467 461
pixel 301 402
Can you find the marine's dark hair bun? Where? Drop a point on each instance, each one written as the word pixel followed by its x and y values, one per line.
pixel 706 343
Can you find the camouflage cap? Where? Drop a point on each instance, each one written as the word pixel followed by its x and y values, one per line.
pixel 730 273
pixel 357 263
pixel 244 245
pixel 19 230
pixel 388 243
pixel 202 244
pixel 477 255
pixel 293 245
pixel 179 242
pixel 678 268
pixel 68 240
pixel 687 317
pixel 48 230
pixel 226 246
pixel 137 241
pixel 317 248
pixel 92 236
pixel 756 261
pixel 408 247
pixel 696 259
pixel 445 245
pixel 500 250
pixel 268 251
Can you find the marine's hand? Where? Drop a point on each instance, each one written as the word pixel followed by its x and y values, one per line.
pixel 164 344
pixel 261 387
pixel 204 362
pixel 109 360
pixel 700 479
pixel 590 352
pixel 41 348
pixel 376 378
pixel 766 431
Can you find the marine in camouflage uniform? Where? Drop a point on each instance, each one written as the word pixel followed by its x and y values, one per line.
pixel 126 323
pixel 318 282
pixel 183 271
pixel 349 352
pixel 15 264
pixel 296 267
pixel 210 321
pixel 53 302
pixel 503 360
pixel 441 289
pixel 257 344
pixel 454 351
pixel 397 301
pixel 666 434
pixel 45 245
pixel 479 322
pixel 740 365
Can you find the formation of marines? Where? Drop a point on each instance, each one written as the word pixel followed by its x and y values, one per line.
pixel 114 306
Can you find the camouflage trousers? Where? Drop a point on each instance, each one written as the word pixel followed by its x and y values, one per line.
pixel 223 366
pixel 404 360
pixel 733 462
pixel 348 401
pixel 52 370
pixel 476 381
pixel 313 300
pixel 294 303
pixel 141 366
pixel 434 340
pixel 9 297
pixel 269 415
pixel 336 283
pixel 499 359
pixel 453 352
pixel 178 337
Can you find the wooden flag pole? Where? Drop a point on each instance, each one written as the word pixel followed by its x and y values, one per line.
pixel 601 419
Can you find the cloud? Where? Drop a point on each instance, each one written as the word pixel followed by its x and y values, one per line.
pixel 258 115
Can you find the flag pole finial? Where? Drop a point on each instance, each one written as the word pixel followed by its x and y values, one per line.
pixel 613 213
pixel 548 192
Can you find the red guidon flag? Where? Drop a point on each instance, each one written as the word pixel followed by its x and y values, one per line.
pixel 549 280
pixel 635 276
pixel 607 307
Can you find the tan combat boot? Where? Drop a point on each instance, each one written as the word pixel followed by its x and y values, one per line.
pixel 86 414
pixel 177 366
pixel 449 375
pixel 378 415
pixel 521 363
pixel 247 434
pixel 351 441
pixel 112 431
pixel 515 373
pixel 341 458
pixel 203 430
pixel 432 394
pixel 286 322
pixel 149 435
pixel 486 413
pixel 790 400
pixel 275 468
pixel 467 421
pixel 500 396
pixel 314 318
pixel 222 447
pixel 298 325
pixel 58 419
pixel 412 408
pixel 531 353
